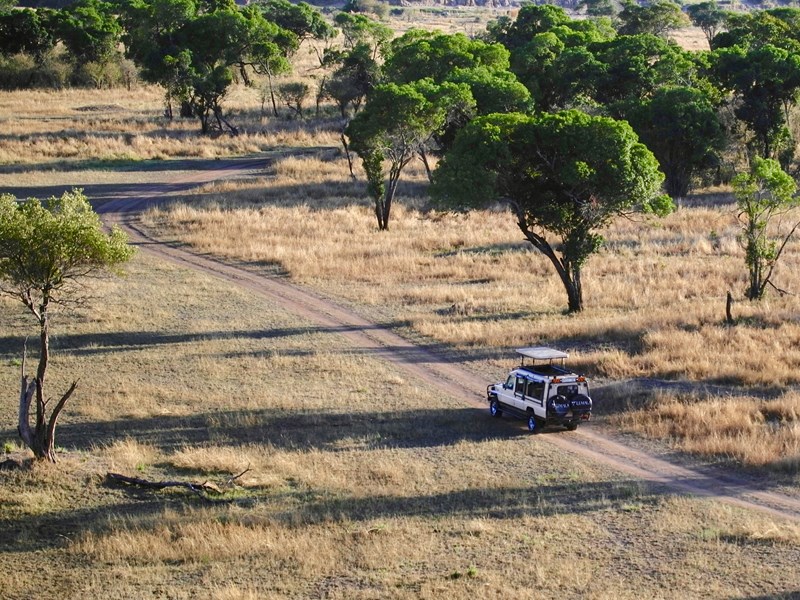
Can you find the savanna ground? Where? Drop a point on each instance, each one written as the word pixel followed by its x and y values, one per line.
pixel 363 483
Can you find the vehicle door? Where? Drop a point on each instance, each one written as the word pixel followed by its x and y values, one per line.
pixel 535 397
pixel 520 389
pixel 506 394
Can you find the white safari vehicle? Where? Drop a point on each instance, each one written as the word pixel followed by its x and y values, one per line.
pixel 544 392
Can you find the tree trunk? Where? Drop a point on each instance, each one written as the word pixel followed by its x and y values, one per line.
pixel 570 276
pixel 40 439
pixel 272 94
pixel 574 290
pixel 424 157
pixel 347 155
pixel 755 289
pixel 728 312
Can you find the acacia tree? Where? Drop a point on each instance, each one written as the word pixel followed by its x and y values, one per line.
pixel 30 31
pixel 659 17
pixel 764 81
pixel 708 16
pixel 91 31
pixel 682 127
pixel 394 126
pixel 45 250
pixel 194 51
pixel 763 196
pixel 565 175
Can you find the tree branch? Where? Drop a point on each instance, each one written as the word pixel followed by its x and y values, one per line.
pixel 201 489
pixel 51 427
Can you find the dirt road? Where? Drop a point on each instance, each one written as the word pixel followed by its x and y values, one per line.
pixel 452 379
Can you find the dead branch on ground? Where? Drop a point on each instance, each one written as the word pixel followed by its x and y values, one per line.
pixel 206 490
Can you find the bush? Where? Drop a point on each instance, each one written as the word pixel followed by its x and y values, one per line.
pixel 21 72
pixel 375 7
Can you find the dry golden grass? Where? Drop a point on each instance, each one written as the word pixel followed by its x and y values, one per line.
pixel 749 430
pixel 655 296
pixel 78 125
pixel 363 484
pixel 359 486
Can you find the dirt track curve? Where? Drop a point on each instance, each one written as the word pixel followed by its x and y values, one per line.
pixel 451 378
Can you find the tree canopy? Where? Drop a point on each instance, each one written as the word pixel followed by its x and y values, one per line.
pixel 565 175
pixel 194 53
pixel 765 80
pixel 394 126
pixel 682 127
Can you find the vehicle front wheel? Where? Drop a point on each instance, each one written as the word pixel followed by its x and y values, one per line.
pixel 533 424
pixel 571 426
pixel 494 409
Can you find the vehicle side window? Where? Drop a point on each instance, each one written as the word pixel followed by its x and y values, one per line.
pixel 520 389
pixel 536 390
pixel 509 384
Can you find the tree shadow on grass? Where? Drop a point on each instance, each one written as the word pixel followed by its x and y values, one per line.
pixel 51 530
pixel 538 500
pixel 298 430
pixel 114 342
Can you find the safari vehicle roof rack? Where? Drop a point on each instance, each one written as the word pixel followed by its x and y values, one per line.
pixel 545 358
pixel 541 353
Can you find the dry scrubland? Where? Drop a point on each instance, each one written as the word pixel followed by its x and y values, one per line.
pixel 364 484
pixel 655 295
pixel 415 497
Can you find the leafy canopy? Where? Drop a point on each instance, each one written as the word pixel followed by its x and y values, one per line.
pixel 565 174
pixel 46 247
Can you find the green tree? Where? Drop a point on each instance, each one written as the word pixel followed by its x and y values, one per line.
pixel 494 91
pixel 394 126
pixel 154 41
pixel 708 16
pixel 195 53
pixel 302 19
pixel 599 8
pixel 565 175
pixel 45 250
pixel 635 66
pixel 28 31
pixel 659 17
pixel 763 196
pixel 90 31
pixel 355 77
pixel 294 94
pixel 481 66
pixel 360 29
pixel 550 53
pixel 777 27
pixel 682 127
pixel 420 54
pixel 764 81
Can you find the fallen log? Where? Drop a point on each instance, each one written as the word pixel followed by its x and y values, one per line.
pixel 204 489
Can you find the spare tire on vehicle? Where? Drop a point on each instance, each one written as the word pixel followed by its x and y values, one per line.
pixel 580 402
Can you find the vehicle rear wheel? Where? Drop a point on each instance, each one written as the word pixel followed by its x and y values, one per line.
pixel 494 409
pixel 534 426
pixel 571 426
